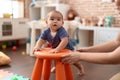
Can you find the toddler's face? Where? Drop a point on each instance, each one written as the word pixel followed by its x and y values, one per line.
pixel 54 21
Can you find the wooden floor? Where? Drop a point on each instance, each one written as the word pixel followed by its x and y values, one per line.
pixel 23 65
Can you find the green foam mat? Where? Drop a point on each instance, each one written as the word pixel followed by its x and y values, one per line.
pixel 6 75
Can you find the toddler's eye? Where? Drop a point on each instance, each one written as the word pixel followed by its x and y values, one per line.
pixel 52 19
pixel 58 19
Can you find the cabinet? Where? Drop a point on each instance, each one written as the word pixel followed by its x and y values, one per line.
pixel 11 29
pixel 99 35
pixel 103 35
pixel 40 12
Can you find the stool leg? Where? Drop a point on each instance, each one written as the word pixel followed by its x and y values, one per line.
pixel 46 69
pixel 37 70
pixel 60 71
pixel 69 72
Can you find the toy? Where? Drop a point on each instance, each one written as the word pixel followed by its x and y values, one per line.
pixel 6 43
pixel 28 40
pixel 6 75
pixel 6 15
pixel 71 14
pixel 14 43
pixel 108 21
pixel 14 48
pixel 23 53
pixel 101 21
pixel 4 59
pixel 18 77
pixel 17 42
pixel 4 46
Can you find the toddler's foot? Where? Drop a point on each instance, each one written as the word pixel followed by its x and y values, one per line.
pixel 53 70
pixel 81 71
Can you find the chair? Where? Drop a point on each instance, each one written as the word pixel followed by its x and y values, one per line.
pixel 42 66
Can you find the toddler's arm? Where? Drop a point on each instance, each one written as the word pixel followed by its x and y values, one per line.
pixel 62 45
pixel 38 45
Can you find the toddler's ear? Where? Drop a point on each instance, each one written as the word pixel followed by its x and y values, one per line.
pixel 63 22
pixel 46 21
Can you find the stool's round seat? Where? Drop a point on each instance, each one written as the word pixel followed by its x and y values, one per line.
pixel 45 54
pixel 43 65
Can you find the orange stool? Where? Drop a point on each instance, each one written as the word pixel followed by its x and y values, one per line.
pixel 42 66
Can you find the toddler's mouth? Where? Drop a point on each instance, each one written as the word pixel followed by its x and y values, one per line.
pixel 54 25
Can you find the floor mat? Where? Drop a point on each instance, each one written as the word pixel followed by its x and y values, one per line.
pixel 6 75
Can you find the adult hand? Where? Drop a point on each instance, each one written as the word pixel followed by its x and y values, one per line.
pixel 71 58
pixel 82 49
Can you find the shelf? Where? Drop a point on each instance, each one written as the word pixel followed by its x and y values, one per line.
pixel 40 11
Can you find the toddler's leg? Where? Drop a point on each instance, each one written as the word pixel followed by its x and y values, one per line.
pixel 81 71
pixel 53 69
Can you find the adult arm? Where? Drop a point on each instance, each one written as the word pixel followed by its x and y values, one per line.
pixel 97 54
pixel 104 58
pixel 96 57
pixel 104 47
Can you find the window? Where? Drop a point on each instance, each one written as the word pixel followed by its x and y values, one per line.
pixel 13 7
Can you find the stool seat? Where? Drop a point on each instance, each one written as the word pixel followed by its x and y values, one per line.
pixel 42 65
pixel 44 54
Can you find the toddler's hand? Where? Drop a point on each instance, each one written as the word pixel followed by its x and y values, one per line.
pixel 54 51
pixel 36 49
